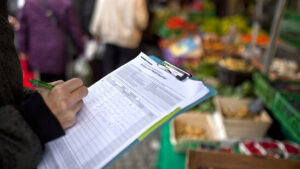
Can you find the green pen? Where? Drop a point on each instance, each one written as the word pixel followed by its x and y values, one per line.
pixel 38 83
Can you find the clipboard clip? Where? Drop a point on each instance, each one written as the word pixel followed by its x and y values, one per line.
pixel 173 70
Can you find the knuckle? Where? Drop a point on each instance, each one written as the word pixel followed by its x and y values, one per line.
pixel 79 81
pixel 83 91
pixel 70 116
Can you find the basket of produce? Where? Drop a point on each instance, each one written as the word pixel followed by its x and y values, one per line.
pixel 238 121
pixel 234 71
pixel 283 69
pixel 286 109
pixel 194 128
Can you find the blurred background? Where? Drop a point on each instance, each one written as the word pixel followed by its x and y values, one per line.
pixel 249 50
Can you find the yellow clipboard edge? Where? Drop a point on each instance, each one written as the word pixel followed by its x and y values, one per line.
pixel 159 123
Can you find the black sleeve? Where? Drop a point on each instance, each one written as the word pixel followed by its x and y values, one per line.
pixel 3 8
pixel 40 118
pixel 19 145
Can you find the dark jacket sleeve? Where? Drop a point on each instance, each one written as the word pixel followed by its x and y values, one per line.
pixel 25 130
pixel 24 121
pixel 40 118
pixel 19 145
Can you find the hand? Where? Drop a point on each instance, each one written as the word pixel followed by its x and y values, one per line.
pixel 85 38
pixel 23 56
pixel 14 22
pixel 97 39
pixel 65 100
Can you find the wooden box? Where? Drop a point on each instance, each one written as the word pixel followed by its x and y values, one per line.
pixel 212 159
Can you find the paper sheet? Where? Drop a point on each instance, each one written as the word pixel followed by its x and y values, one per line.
pixel 117 110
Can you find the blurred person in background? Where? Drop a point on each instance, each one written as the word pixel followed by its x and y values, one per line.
pixel 29 119
pixel 119 24
pixel 42 38
pixel 84 9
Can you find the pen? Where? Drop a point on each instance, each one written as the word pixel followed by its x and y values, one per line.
pixel 38 83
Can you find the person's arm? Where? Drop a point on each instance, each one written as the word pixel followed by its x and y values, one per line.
pixel 40 118
pixel 24 121
pixel 94 25
pixel 23 40
pixel 141 14
pixel 19 145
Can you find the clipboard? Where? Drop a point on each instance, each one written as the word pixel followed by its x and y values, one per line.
pixel 167 118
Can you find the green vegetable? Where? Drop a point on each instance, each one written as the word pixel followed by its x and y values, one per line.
pixel 205 70
pixel 241 91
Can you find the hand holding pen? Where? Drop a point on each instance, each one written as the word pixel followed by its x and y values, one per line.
pixel 64 99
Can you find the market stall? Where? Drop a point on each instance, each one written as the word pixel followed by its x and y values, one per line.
pixel 255 72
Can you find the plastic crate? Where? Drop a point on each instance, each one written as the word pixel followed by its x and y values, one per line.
pixel 290 31
pixel 266 92
pixel 263 89
pixel 287 115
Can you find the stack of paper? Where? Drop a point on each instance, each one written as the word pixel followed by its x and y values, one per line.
pixel 120 110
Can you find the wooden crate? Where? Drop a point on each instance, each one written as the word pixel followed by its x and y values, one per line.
pixel 212 159
pixel 211 123
pixel 242 128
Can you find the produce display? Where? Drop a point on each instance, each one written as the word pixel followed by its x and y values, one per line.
pixel 262 39
pixel 221 26
pixel 270 148
pixel 261 147
pixel 236 64
pixel 241 113
pixel 282 68
pixel 179 23
pixel 187 131
pixel 215 58
pixel 212 45
pixel 241 91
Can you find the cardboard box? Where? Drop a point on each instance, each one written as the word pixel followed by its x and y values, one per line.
pixel 211 123
pixel 242 128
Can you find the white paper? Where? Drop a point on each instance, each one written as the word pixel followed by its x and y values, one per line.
pixel 117 110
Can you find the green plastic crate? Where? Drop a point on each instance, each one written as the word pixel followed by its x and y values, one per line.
pixel 263 90
pixel 287 115
pixel 289 135
pixel 290 28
